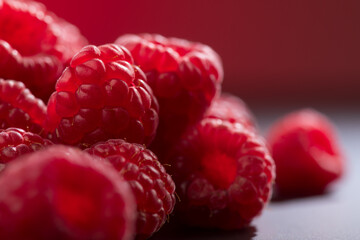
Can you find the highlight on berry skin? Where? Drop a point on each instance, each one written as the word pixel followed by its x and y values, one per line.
pixel 306 152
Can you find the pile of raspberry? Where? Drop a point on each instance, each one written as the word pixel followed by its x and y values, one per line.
pixel 100 142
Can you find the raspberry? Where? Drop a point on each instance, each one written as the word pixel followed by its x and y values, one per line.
pixel 233 109
pixel 184 76
pixel 102 96
pixel 63 193
pixel 19 108
pixel 35 45
pixel 306 153
pixel 223 174
pixel 152 186
pixel 15 142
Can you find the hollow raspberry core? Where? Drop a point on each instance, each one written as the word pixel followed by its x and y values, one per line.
pixel 219 169
pixel 223 174
pixel 76 207
pixel 64 193
pixel 320 140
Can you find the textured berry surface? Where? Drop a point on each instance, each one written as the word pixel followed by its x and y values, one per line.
pixel 19 108
pixel 102 96
pixel 233 109
pixel 15 142
pixel 63 193
pixel 153 187
pixel 35 45
pixel 184 76
pixel 223 174
pixel 306 152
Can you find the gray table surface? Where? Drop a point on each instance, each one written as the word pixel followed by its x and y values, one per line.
pixel 335 215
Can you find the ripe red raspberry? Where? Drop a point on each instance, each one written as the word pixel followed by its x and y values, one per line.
pixel 184 76
pixel 223 174
pixel 101 96
pixel 233 109
pixel 306 153
pixel 19 108
pixel 152 186
pixel 15 142
pixel 63 193
pixel 35 45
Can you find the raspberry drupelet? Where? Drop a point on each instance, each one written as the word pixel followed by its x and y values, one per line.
pixel 15 142
pixel 35 45
pixel 64 193
pixel 152 186
pixel 231 108
pixel 19 108
pixel 102 96
pixel 306 152
pixel 185 77
pixel 223 174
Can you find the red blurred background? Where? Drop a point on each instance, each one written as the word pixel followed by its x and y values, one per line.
pixel 273 51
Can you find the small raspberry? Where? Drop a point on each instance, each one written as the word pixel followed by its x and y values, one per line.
pixel 233 109
pixel 35 45
pixel 152 186
pixel 63 193
pixel 184 76
pixel 15 142
pixel 19 108
pixel 101 96
pixel 306 153
pixel 223 174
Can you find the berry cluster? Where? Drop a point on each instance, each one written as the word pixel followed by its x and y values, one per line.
pixel 127 124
